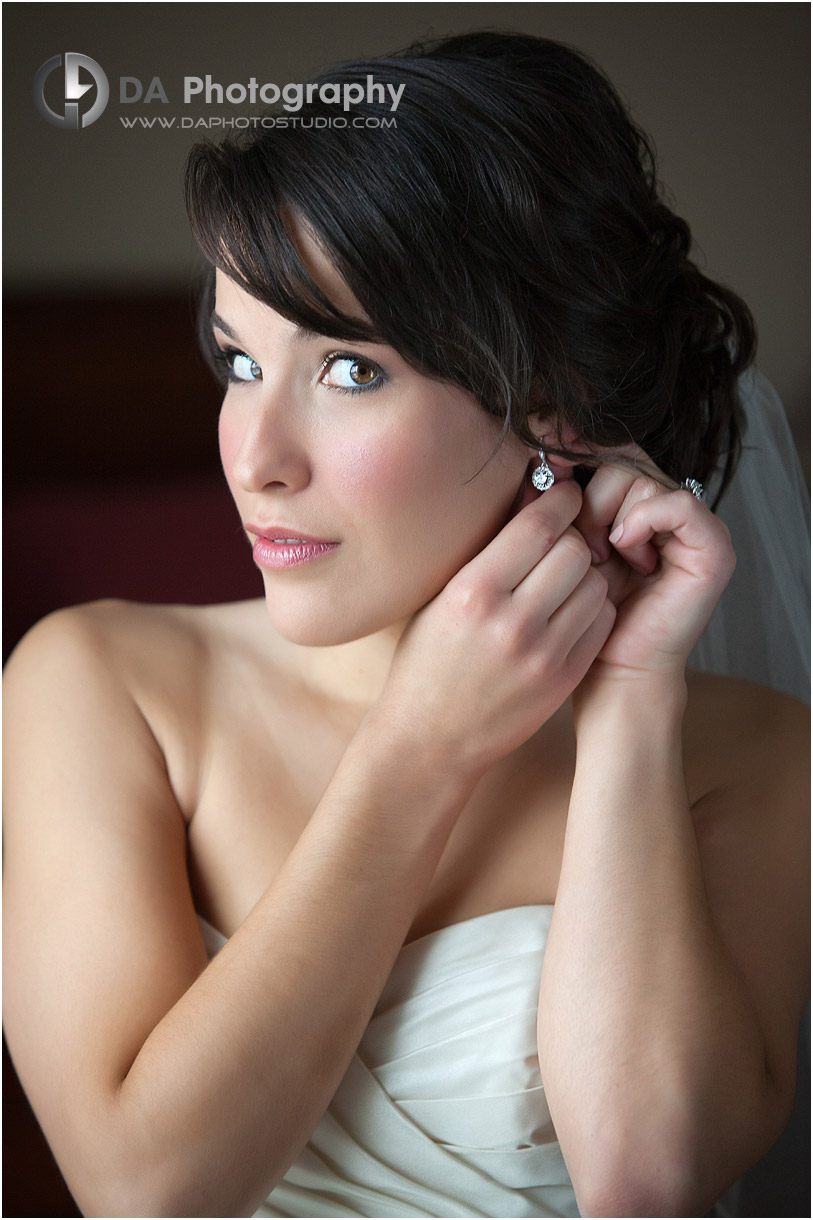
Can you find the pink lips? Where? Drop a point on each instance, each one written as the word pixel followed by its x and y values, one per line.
pixel 279 547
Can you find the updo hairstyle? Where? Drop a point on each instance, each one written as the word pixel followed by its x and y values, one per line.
pixel 507 235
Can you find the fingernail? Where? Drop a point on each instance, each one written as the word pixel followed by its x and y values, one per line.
pixel 615 536
pixel 596 556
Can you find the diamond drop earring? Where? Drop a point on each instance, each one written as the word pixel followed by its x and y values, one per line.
pixel 542 476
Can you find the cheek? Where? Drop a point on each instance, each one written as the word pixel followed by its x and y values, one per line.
pixel 374 469
pixel 228 442
pixel 431 489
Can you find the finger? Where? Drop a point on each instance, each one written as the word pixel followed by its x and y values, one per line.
pixel 584 652
pixel 546 588
pixel 606 492
pixel 578 611
pixel 601 500
pixel 640 554
pixel 618 574
pixel 690 536
pixel 527 537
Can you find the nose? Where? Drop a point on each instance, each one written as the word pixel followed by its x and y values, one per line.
pixel 262 442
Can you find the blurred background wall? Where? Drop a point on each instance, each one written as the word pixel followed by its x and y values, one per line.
pixel 111 468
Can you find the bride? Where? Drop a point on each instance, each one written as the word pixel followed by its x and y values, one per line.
pixel 433 882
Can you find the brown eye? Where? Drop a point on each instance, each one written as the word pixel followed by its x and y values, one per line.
pixel 351 373
pixel 361 373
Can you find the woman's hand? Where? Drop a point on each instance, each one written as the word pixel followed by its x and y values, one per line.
pixel 667 560
pixel 495 654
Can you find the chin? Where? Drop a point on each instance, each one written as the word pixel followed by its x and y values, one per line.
pixel 317 635
pixel 326 622
pixel 323 627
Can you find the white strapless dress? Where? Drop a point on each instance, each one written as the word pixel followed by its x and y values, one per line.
pixel 442 1111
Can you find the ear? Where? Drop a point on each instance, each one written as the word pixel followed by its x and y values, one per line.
pixel 550 436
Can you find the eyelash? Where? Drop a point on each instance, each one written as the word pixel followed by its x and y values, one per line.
pixel 225 357
pixel 356 358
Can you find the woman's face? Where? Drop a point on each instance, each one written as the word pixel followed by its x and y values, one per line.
pixel 347 446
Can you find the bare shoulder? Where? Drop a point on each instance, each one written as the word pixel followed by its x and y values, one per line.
pixel 156 665
pixel 738 732
pixel 133 637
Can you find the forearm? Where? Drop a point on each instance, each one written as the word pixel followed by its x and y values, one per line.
pixel 231 1083
pixel 651 1054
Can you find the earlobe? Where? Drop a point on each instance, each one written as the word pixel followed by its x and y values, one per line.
pixel 553 438
pixel 553 434
pixel 545 467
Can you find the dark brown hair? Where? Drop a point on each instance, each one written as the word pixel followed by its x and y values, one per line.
pixel 506 234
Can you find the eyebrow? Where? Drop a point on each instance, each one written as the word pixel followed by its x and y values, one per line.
pixel 300 332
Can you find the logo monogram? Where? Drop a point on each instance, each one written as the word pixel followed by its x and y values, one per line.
pixel 72 120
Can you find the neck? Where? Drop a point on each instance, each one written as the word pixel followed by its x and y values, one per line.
pixel 351 673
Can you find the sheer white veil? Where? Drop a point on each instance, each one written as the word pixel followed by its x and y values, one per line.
pixel 761 627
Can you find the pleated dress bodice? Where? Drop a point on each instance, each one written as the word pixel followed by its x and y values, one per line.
pixel 442 1111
